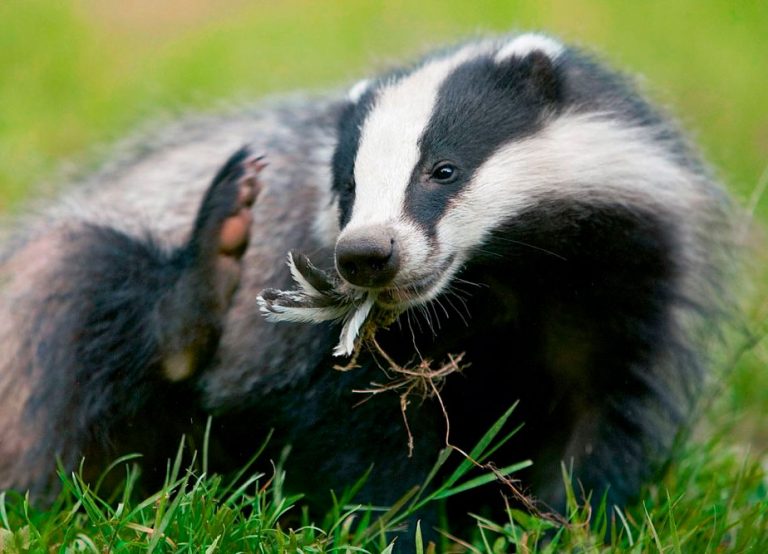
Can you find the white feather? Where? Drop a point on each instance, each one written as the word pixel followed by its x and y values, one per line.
pixel 305 285
pixel 352 327
pixel 302 315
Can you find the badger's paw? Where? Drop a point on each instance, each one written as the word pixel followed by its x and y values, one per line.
pixel 223 225
pixel 208 268
pixel 235 228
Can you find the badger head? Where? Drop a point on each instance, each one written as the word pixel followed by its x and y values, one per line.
pixel 477 153
pixel 413 170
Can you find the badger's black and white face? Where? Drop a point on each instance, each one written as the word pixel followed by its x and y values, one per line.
pixel 414 169
pixel 433 161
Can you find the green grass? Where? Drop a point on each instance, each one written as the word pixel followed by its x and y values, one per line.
pixel 81 73
pixel 712 500
pixel 246 513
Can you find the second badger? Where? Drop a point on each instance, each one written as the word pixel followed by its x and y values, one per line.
pixel 512 198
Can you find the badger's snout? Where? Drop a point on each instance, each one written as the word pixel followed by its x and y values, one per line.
pixel 368 257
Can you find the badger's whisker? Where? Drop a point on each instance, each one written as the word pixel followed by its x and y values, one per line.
pixel 531 246
pixel 439 303
pixel 440 311
pixel 424 311
pixel 459 280
pixel 456 309
pixel 452 293
pixel 433 310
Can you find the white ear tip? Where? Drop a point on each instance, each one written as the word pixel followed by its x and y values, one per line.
pixel 530 42
pixel 357 91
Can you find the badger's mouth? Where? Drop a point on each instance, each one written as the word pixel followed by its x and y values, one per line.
pixel 321 296
pixel 418 290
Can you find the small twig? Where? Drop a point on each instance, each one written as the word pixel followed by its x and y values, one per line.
pixel 422 380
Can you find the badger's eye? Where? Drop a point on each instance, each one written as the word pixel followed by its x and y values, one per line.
pixel 444 172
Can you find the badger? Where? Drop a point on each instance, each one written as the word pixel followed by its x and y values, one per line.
pixel 511 199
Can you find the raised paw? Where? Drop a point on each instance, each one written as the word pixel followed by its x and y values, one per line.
pixel 223 225
pixel 210 267
pixel 235 229
pixel 222 229
pixel 224 220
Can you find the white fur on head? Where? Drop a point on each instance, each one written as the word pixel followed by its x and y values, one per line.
pixel 523 45
pixel 576 156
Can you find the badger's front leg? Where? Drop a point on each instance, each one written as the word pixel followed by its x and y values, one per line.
pixel 121 323
pixel 189 313
pixel 149 311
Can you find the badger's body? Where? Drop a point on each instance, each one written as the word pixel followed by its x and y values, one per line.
pixel 514 199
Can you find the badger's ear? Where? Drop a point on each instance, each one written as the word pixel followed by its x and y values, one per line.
pixel 528 65
pixel 358 90
pixel 520 46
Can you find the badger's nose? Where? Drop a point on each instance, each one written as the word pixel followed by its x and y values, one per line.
pixel 368 257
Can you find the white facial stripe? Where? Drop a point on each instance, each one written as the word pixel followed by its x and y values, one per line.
pixel 525 44
pixel 575 156
pixel 389 148
pixel 415 251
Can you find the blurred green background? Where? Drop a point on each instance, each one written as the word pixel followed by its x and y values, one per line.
pixel 80 73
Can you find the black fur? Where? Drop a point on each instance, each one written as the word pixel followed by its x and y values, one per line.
pixel 343 162
pixel 587 322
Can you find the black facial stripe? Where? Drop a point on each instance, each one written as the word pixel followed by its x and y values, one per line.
pixel 343 162
pixel 480 106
